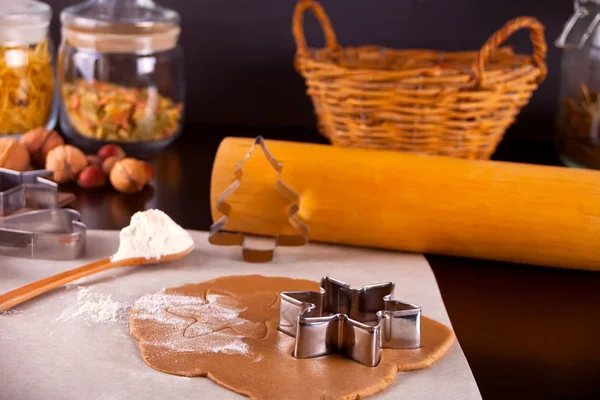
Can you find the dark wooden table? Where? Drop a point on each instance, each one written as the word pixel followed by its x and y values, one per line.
pixel 527 332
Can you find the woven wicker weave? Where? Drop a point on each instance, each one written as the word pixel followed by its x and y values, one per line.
pixel 447 103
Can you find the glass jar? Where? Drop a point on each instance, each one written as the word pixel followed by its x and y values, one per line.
pixel 579 110
pixel 27 90
pixel 121 74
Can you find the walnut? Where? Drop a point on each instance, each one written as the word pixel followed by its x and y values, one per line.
pixel 128 175
pixel 66 161
pixel 13 155
pixel 39 142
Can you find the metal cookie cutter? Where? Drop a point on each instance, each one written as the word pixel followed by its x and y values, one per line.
pixel 355 322
pixel 52 234
pixel 20 190
pixel 220 236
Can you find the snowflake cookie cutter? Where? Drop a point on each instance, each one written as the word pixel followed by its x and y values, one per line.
pixel 355 322
pixel 218 235
pixel 19 190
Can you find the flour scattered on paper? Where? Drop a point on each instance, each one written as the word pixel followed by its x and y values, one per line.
pixel 76 283
pixel 152 234
pixel 10 312
pixel 96 308
pixel 202 333
pixel 196 334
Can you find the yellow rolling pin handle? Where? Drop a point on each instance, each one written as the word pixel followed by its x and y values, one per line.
pixel 522 213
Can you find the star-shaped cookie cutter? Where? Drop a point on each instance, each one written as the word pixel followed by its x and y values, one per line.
pixel 20 190
pixel 220 236
pixel 355 322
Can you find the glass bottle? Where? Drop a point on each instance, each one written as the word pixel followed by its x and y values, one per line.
pixel 579 110
pixel 121 74
pixel 27 90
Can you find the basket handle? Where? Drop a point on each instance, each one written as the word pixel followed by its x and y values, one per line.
pixel 298 26
pixel 537 39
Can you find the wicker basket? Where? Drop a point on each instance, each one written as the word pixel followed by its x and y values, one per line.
pixel 457 104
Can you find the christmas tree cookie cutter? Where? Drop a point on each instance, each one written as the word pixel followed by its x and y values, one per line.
pixel 31 224
pixel 51 234
pixel 220 236
pixel 355 322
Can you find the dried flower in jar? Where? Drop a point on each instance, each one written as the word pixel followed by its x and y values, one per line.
pixel 27 84
pixel 578 115
pixel 111 112
pixel 579 128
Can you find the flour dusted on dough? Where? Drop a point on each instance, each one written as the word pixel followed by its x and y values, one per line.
pixel 198 328
pixel 151 235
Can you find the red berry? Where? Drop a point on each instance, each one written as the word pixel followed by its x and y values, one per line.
pixel 149 171
pixel 92 177
pixel 111 150
pixel 108 164
pixel 94 160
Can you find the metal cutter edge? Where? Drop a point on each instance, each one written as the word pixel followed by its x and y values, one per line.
pixel 355 322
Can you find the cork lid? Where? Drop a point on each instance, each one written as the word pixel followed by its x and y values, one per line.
pixel 23 22
pixel 121 26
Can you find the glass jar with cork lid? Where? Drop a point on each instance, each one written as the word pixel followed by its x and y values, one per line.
pixel 121 74
pixel 27 89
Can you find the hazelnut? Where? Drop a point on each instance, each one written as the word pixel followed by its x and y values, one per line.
pixel 66 161
pixel 94 161
pixel 39 142
pixel 111 150
pixel 128 176
pixel 149 171
pixel 92 177
pixel 13 155
pixel 108 164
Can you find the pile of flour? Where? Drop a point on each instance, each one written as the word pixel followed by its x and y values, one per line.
pixel 152 234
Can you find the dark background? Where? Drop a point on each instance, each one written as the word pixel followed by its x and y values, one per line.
pixel 239 53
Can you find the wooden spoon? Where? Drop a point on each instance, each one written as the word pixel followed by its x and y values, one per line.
pixel 24 293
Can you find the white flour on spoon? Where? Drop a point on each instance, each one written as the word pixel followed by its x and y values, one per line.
pixel 151 234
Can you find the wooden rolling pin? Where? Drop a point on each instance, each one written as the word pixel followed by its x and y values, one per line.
pixel 522 213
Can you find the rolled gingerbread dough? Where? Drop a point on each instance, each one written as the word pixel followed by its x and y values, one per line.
pixel 226 329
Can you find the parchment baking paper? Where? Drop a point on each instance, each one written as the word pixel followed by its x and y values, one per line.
pixel 43 357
